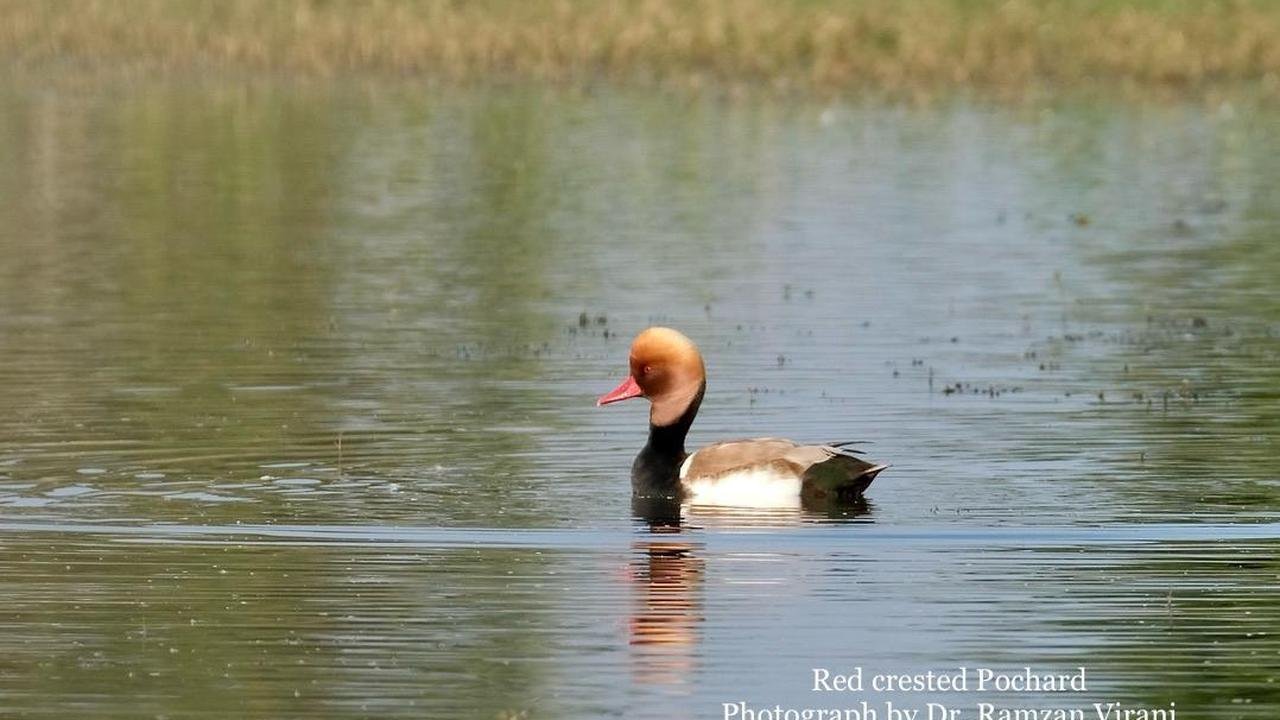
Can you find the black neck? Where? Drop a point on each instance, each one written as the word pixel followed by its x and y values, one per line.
pixel 656 470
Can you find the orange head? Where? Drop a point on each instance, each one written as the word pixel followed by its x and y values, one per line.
pixel 667 370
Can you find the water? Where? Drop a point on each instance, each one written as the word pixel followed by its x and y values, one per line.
pixel 299 385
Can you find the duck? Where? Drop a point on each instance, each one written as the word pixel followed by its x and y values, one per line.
pixel 667 369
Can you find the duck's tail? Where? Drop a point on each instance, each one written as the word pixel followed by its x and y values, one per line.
pixel 845 474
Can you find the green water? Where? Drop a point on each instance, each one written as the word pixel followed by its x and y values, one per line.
pixel 299 391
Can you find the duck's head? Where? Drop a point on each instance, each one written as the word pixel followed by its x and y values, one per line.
pixel 667 370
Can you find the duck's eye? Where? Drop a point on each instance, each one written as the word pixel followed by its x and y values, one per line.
pixel 645 370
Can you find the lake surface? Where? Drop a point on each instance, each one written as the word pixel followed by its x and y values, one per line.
pixel 299 386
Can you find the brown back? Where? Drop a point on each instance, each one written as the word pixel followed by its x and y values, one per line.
pixel 824 470
pixel 726 457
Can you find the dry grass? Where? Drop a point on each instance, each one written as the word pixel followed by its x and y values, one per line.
pixel 820 44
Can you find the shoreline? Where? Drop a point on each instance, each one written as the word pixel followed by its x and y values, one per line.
pixel 923 48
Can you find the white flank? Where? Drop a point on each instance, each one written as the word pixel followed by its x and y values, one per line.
pixel 684 466
pixel 757 488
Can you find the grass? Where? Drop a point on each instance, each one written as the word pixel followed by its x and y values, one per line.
pixel 805 44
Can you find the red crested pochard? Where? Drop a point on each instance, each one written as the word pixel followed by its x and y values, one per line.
pixel 667 370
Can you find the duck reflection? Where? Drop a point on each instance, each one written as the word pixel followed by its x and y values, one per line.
pixel 667 575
